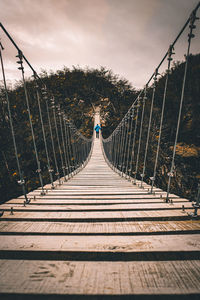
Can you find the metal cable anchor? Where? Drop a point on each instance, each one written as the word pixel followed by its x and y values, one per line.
pixel 196 205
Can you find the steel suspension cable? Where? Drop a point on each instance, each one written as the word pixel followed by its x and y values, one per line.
pixel 21 181
pixel 50 170
pixel 66 146
pixel 72 140
pixel 121 137
pixel 126 142
pixel 118 143
pixel 52 141
pixel 140 139
pixel 57 135
pixel 134 139
pixel 20 62
pixel 177 37
pixel 78 149
pixel 170 53
pixel 73 146
pixel 122 144
pixel 149 127
pixel 115 148
pixel 70 149
pixel 62 138
pixel 76 142
pixel 193 18
pixel 129 143
pixel 118 148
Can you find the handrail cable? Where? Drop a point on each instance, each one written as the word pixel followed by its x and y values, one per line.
pixel 193 18
pixel 134 139
pixel 20 62
pixel 53 107
pixel 140 139
pixel 149 127
pixel 21 181
pixel 50 170
pixel 129 142
pixel 52 139
pixel 170 53
pixel 62 139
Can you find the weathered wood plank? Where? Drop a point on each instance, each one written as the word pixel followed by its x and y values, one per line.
pixel 98 234
pixel 100 278
pixel 117 228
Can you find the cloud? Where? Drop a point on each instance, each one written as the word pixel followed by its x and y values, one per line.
pixel 127 36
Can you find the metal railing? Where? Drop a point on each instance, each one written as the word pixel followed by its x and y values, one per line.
pixel 136 143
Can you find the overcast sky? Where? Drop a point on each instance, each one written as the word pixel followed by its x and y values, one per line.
pixel 128 36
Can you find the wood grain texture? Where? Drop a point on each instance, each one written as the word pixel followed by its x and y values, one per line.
pixel 98 234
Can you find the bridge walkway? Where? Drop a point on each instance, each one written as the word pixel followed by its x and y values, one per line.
pixel 98 236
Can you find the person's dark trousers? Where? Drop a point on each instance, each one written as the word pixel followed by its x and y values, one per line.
pixel 97 135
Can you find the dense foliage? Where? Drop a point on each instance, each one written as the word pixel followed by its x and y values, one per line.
pixel 78 91
pixel 187 163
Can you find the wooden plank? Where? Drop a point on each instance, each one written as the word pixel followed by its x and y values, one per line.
pixel 106 215
pixel 98 207
pixel 102 243
pixel 98 234
pixel 115 228
pixel 99 278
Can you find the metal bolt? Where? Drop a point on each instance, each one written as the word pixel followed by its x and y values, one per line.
pixel 195 210
pixel 196 205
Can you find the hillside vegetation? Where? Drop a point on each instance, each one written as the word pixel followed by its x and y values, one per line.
pixel 187 162
pixel 78 91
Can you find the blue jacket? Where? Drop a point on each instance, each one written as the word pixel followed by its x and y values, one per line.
pixel 97 127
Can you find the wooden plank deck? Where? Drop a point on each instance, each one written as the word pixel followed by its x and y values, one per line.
pixel 98 236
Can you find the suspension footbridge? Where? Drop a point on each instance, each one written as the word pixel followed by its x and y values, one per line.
pixel 98 226
pixel 98 234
